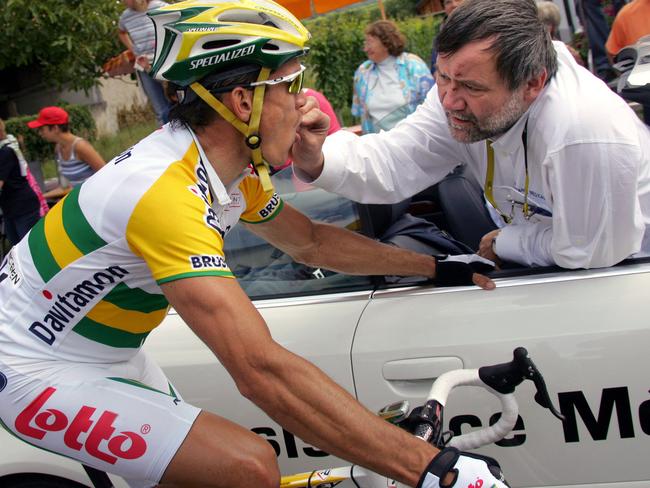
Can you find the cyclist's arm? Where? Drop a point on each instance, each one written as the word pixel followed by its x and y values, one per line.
pixel 323 245
pixel 288 388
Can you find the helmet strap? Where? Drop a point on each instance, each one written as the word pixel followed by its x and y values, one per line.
pixel 250 130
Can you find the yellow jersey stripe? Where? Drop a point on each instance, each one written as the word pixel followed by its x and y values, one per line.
pixel 132 321
pixel 62 248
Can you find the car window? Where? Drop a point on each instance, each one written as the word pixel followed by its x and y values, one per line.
pixel 264 271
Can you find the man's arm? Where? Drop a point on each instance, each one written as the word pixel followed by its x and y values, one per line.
pixel 379 168
pixel 87 153
pixel 292 391
pixel 124 38
pixel 323 245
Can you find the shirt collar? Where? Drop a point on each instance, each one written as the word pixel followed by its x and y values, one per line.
pixel 219 191
pixel 398 60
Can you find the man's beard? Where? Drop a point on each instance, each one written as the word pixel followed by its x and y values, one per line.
pixel 490 127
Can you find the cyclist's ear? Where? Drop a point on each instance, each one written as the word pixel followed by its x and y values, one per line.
pixel 240 102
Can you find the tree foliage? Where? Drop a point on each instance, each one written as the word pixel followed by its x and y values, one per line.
pixel 68 40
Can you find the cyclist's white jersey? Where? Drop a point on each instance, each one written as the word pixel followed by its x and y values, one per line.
pixel 83 285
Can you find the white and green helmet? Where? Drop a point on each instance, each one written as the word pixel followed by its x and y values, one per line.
pixel 198 37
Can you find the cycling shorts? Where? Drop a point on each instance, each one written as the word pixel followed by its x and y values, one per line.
pixel 123 418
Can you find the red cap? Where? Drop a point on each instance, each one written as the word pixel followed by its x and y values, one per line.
pixel 49 116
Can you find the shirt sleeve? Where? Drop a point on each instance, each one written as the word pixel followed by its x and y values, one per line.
pixel 394 165
pixel 261 206
pixel 424 79
pixel 120 23
pixel 175 230
pixel 357 108
pixel 597 219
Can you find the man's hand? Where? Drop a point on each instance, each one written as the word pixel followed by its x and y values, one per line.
pixel 143 62
pixel 486 246
pixel 452 468
pixel 306 151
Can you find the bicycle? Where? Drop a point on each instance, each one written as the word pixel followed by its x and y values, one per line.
pixel 427 421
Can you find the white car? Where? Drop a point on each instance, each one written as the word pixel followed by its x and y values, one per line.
pixel 587 331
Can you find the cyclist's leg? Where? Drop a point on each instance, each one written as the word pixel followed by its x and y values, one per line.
pixel 220 453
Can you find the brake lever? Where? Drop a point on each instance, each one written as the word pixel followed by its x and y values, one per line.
pixel 530 372
pixel 505 377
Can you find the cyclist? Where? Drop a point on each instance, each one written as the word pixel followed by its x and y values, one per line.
pixel 80 293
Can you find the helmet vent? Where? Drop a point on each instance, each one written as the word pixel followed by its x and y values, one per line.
pixel 221 43
pixel 271 47
pixel 244 16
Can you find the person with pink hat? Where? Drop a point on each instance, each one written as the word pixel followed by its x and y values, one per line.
pixel 76 158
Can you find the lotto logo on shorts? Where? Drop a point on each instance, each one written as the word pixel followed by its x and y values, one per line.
pixel 100 440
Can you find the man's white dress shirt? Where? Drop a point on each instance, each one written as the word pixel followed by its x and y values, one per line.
pixel 588 165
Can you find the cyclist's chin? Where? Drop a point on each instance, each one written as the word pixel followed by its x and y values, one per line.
pixel 276 156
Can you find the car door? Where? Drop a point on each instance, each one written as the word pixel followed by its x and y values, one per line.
pixel 586 330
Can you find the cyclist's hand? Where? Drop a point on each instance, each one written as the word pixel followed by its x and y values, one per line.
pixel 463 269
pixel 465 471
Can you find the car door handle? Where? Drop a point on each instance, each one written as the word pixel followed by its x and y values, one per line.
pixel 419 368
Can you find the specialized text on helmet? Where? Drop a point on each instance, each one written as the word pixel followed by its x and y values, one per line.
pixel 220 58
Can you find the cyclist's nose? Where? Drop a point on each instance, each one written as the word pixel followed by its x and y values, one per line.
pixel 301 99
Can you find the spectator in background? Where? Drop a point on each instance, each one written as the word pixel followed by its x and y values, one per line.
pixel 76 158
pixel 449 6
pixel 391 83
pixel 18 201
pixel 631 24
pixel 549 14
pixel 18 145
pixel 595 15
pixel 137 34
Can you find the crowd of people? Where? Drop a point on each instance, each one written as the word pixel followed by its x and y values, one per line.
pixel 565 182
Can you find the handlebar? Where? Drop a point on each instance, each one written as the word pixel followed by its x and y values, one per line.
pixel 500 380
pixel 472 440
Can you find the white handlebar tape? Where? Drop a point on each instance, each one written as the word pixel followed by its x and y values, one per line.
pixel 472 440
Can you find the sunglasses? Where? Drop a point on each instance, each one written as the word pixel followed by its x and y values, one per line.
pixel 295 81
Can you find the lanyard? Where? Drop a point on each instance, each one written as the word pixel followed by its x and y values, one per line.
pixel 489 176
